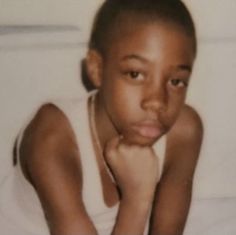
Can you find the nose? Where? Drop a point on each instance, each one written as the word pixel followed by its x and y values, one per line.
pixel 155 99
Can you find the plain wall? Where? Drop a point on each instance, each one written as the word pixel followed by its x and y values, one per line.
pixel 40 63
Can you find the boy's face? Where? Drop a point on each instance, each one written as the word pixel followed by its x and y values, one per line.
pixel 144 79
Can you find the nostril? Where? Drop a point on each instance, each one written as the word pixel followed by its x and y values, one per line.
pixel 156 100
pixel 155 105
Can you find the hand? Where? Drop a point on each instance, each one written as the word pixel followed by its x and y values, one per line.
pixel 134 167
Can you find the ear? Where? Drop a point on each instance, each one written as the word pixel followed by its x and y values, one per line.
pixel 94 64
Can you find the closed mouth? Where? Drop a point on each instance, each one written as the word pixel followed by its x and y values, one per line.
pixel 149 129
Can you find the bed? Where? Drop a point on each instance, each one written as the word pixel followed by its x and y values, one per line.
pixel 35 58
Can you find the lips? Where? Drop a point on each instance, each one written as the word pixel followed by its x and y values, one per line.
pixel 149 129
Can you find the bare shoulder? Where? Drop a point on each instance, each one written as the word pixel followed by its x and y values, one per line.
pixel 49 121
pixel 47 138
pixel 184 140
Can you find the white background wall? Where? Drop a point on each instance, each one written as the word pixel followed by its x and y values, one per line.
pixel 37 64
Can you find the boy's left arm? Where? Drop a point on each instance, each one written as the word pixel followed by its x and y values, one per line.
pixel 173 194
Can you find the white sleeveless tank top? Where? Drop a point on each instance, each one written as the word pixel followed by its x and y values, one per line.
pixel 20 208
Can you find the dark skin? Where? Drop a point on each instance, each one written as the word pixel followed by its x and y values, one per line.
pixel 142 88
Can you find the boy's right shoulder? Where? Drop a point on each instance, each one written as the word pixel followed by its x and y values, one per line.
pixel 48 136
pixel 48 120
pixel 49 113
pixel 50 160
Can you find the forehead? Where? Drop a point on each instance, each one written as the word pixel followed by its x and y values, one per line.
pixel 151 37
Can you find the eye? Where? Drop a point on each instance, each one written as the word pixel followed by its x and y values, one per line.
pixel 135 75
pixel 178 83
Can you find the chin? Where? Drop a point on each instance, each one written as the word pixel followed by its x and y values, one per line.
pixel 140 140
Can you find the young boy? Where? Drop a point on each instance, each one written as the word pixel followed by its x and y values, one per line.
pixel 140 59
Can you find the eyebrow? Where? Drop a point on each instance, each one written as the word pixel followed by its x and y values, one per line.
pixel 134 57
pixel 185 67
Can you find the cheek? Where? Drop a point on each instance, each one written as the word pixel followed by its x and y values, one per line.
pixel 177 97
pixel 122 103
pixel 176 103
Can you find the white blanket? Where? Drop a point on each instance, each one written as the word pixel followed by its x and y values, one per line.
pixel 216 216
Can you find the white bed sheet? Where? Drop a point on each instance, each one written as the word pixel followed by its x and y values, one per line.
pixel 213 216
pixel 216 216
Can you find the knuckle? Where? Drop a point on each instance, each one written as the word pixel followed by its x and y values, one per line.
pixel 110 153
pixel 122 148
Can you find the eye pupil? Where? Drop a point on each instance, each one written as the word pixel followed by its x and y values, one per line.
pixel 134 74
pixel 175 82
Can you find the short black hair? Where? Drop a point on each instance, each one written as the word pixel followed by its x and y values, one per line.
pixel 173 11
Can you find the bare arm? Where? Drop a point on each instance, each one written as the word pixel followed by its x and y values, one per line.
pixel 136 171
pixel 132 217
pixel 173 195
pixel 50 159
